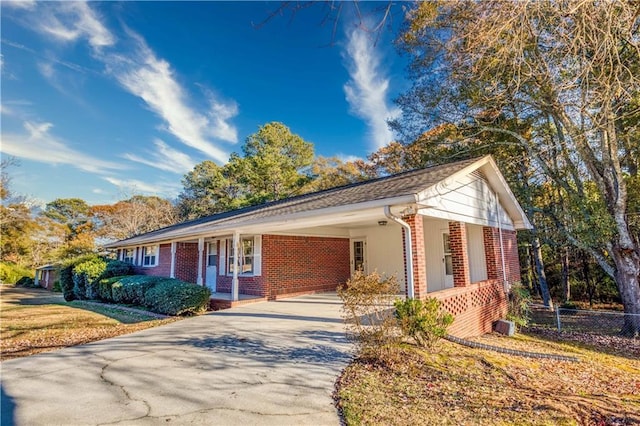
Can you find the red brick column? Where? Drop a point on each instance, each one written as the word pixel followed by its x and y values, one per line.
pixel 459 254
pixel 492 252
pixel 419 260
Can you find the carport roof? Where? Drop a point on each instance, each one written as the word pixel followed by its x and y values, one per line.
pixel 403 186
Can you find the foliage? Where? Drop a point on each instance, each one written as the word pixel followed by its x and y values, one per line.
pixel 518 307
pixel 10 273
pixel 134 216
pixel 162 295
pixel 57 287
pixel 74 215
pixel 274 165
pixel 86 275
pixel 423 320
pixel 79 277
pixel 117 268
pixel 368 311
pixel 25 282
pixel 559 81
pixel 175 297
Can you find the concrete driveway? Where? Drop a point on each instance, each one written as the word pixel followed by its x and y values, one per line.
pixel 265 363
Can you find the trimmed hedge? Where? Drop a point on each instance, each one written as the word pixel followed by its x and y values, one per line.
pixel 80 277
pixel 174 297
pixel 162 295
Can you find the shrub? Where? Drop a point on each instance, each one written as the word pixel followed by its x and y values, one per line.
pixel 423 320
pixel 368 311
pixel 518 308
pixel 10 273
pixel 104 288
pixel 57 287
pixel 135 288
pixel 86 276
pixel 65 274
pixel 174 297
pixel 26 282
pixel 117 268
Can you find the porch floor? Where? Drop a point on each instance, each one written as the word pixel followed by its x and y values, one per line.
pixel 223 300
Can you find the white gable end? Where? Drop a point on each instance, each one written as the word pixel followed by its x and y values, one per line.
pixel 465 198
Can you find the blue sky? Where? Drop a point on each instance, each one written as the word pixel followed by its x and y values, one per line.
pixel 104 100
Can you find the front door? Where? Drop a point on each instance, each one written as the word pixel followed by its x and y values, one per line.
pixel 358 255
pixel 212 265
pixel 447 260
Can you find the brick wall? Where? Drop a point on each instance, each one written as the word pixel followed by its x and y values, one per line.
pixel 186 266
pixel 494 257
pixel 475 307
pixel 163 269
pixel 296 265
pixel 246 285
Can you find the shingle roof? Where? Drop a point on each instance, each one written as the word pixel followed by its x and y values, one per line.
pixel 402 184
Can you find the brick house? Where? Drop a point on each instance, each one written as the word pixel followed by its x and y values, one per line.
pixel 447 231
pixel 46 276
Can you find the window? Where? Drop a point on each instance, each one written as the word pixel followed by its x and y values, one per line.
pixel 249 259
pixel 129 256
pixel 212 254
pixel 150 256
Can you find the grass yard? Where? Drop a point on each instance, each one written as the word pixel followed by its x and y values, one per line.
pixel 35 320
pixel 457 385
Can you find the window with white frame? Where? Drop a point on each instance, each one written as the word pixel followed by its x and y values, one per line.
pixel 129 255
pixel 150 256
pixel 249 261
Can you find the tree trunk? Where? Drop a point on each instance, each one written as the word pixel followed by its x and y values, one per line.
pixel 591 288
pixel 628 281
pixel 566 287
pixel 542 277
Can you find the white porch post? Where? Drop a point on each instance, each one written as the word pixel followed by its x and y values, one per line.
pixel 173 260
pixel 236 258
pixel 200 252
pixel 36 281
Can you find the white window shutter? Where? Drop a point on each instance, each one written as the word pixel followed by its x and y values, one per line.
pixel 257 255
pixel 222 258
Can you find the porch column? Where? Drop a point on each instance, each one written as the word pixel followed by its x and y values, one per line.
pixel 459 254
pixel 36 279
pixel 173 260
pixel 200 252
pixel 236 258
pixel 419 260
pixel 492 252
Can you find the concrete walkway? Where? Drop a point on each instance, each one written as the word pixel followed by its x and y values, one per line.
pixel 266 363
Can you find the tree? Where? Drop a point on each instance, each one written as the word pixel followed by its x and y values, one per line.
pixel 274 166
pixel 135 216
pixel 571 71
pixel 74 214
pixel 330 172
pixel 275 163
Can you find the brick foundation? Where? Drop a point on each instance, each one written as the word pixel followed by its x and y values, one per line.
pixel 475 307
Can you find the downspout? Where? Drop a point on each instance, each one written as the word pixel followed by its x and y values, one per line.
pixel 505 283
pixel 408 251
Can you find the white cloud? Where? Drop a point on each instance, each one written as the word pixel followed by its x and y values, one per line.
pixel 346 158
pixel 367 89
pixel 70 21
pixel 20 4
pixel 153 80
pixel 165 158
pixel 38 144
pixel 134 186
